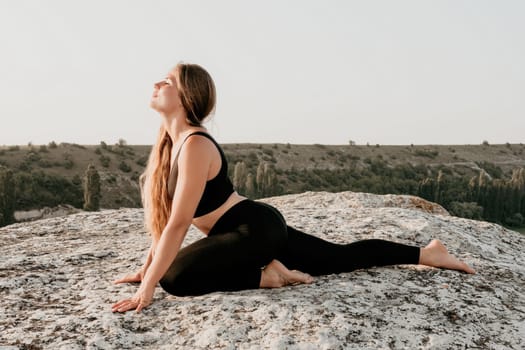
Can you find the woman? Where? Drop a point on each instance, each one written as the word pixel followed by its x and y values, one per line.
pixel 248 244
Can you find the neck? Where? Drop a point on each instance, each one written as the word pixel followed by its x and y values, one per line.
pixel 175 126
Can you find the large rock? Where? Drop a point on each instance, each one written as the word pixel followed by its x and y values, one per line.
pixel 56 290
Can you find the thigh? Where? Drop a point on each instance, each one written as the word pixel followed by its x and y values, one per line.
pixel 228 260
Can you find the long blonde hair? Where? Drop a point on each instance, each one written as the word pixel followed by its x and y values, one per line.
pixel 198 96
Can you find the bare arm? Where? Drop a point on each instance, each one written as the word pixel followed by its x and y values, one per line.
pixel 149 258
pixel 191 181
pixel 190 186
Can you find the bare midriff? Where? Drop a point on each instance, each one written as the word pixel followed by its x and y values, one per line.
pixel 205 222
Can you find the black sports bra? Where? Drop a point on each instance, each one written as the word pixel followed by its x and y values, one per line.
pixel 217 190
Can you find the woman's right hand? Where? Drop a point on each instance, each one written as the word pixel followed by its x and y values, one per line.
pixel 130 278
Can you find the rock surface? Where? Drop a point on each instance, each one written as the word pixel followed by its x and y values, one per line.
pixel 45 213
pixel 56 290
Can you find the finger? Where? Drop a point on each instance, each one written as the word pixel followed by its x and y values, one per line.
pixel 126 307
pixel 120 303
pixel 117 304
pixel 124 279
pixel 121 280
pixel 139 307
pixel 127 279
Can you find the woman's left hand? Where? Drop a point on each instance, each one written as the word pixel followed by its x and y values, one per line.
pixel 139 301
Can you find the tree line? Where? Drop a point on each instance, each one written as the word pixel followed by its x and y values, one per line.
pixel 483 197
pixel 23 190
pixel 487 196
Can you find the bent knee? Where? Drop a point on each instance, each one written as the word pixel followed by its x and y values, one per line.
pixel 175 287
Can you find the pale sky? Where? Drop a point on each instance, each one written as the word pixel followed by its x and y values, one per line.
pixel 303 72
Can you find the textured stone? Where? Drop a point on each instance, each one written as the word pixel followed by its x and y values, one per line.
pixel 56 290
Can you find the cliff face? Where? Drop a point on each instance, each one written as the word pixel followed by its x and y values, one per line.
pixel 56 289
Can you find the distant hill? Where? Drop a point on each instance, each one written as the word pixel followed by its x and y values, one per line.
pixel 458 157
pixel 296 168
pixel 119 166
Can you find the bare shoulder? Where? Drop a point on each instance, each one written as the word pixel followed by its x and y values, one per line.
pixel 197 147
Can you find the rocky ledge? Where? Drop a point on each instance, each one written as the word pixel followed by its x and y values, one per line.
pixel 56 290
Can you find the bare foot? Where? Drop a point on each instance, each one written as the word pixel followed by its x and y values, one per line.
pixel 436 254
pixel 276 275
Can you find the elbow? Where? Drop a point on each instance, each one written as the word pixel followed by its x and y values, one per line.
pixel 179 227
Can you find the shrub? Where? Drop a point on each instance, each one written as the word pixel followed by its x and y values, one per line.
pixel 135 176
pixel 124 167
pixel 491 168
pixel 25 167
pixel 32 157
pixel 468 210
pixel 515 220
pixel 426 153
pixel 44 163
pixel 68 160
pixel 267 151
pixel 104 161
pixel 143 161
pixel 76 180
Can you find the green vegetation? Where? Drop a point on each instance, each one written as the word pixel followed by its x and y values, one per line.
pixel 38 189
pixel 91 189
pixel 520 229
pixel 426 153
pixel 471 181
pixel 7 197
pixel 263 184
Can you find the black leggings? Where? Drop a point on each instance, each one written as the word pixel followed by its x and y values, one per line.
pixel 250 235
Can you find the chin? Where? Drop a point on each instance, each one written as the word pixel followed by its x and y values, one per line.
pixel 153 105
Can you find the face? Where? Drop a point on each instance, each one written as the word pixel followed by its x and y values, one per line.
pixel 165 98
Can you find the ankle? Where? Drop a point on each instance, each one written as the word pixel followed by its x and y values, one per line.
pixel 431 254
pixel 270 278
